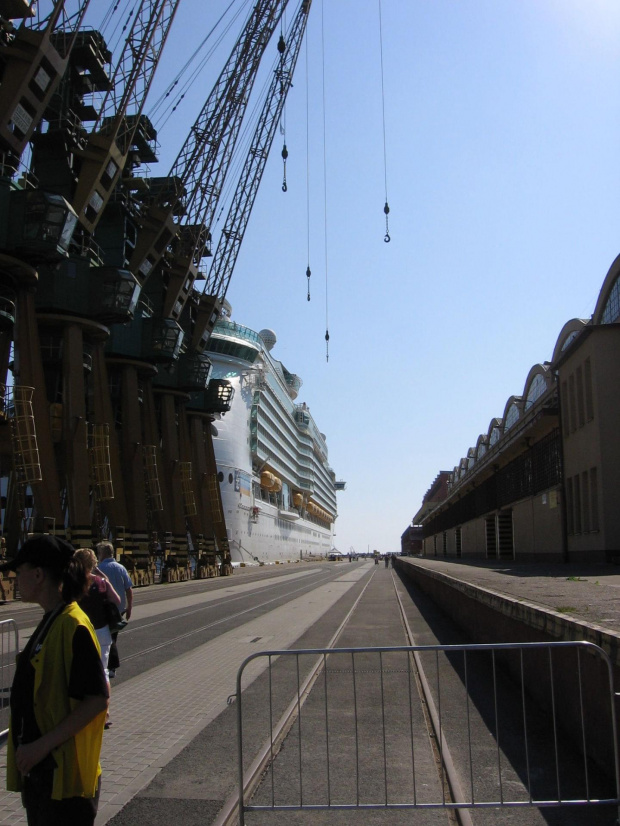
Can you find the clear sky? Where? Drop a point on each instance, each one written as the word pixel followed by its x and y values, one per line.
pixel 502 125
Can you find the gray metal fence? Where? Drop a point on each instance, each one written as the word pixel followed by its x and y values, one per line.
pixel 9 648
pixel 426 727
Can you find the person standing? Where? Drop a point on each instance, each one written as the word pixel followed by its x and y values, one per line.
pixel 122 584
pixel 59 696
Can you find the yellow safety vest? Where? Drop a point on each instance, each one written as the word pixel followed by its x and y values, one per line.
pixel 77 759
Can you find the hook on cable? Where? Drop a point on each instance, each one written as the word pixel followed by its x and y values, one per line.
pixel 386 237
pixel 284 157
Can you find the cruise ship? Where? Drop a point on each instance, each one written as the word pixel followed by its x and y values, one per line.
pixel 278 490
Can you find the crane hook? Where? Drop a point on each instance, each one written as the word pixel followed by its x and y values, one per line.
pixel 284 157
pixel 308 274
pixel 386 237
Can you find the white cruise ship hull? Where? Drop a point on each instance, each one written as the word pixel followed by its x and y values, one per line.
pixel 265 435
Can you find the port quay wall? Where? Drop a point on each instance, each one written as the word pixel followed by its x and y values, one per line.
pixel 487 616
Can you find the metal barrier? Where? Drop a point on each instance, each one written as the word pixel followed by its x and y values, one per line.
pixel 427 727
pixel 9 648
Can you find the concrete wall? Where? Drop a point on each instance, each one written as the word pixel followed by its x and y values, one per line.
pixel 489 617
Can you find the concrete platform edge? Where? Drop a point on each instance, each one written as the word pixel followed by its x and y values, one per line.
pixel 539 618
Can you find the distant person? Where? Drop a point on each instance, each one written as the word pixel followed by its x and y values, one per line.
pixel 121 581
pixel 387 560
pixel 59 695
pixel 98 590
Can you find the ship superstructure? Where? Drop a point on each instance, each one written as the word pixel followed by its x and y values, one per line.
pixel 278 490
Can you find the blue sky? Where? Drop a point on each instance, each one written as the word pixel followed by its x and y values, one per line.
pixel 501 121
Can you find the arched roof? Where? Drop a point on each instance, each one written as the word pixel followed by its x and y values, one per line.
pixel 495 427
pixel 482 445
pixel 512 412
pixel 568 332
pixel 607 308
pixel 538 383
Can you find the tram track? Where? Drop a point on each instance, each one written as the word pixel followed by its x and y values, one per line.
pixel 444 766
pixel 450 763
pixel 221 621
pixel 229 814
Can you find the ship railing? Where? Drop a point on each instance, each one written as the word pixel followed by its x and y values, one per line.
pixel 511 725
pixel 231 328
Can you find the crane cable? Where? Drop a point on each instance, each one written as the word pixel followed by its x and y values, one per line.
pixel 282 50
pixel 308 270
pixel 325 185
pixel 386 208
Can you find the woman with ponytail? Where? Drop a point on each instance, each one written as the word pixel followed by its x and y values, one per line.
pixel 59 697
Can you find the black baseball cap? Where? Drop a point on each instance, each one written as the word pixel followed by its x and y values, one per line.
pixel 45 551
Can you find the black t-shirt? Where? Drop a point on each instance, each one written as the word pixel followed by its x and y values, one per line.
pixel 86 678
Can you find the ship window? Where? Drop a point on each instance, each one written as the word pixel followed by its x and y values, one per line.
pixel 230 478
pixel 220 476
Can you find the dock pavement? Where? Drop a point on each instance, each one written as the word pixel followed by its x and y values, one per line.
pixel 167 720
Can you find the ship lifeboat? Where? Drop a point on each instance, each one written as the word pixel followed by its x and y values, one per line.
pixel 315 510
pixel 298 500
pixel 270 481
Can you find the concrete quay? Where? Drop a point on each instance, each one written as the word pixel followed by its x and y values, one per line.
pixel 507 602
pixel 550 601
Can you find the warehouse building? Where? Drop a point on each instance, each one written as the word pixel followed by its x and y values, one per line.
pixel 542 483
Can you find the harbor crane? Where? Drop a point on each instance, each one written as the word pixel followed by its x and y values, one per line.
pixel 33 59
pixel 107 332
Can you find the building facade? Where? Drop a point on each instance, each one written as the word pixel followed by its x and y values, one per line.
pixel 542 483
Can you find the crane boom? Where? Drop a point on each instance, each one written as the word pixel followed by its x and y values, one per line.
pixel 35 60
pixel 203 160
pixel 119 117
pixel 245 194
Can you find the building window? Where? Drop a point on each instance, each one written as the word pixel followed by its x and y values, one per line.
pixel 572 407
pixel 585 502
pixel 565 419
pixel 445 543
pixel 581 409
pixel 587 375
pixel 611 312
pixel 569 339
pixel 594 523
pixel 577 500
pixel 570 507
pixel 537 389
pixel 511 417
